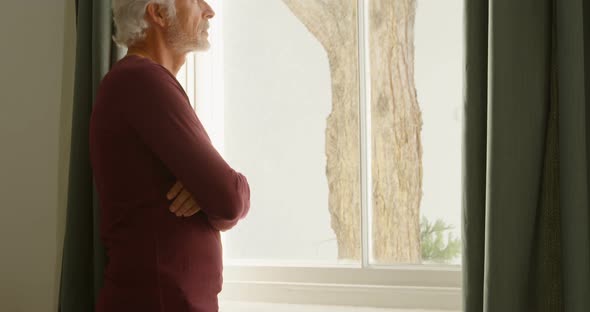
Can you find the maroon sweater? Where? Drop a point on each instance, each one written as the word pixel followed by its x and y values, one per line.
pixel 144 136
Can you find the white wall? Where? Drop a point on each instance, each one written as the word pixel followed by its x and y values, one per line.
pixel 277 99
pixel 439 83
pixel 36 81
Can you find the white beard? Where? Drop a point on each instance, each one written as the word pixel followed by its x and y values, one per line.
pixel 183 42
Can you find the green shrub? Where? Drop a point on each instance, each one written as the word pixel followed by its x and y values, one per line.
pixel 434 247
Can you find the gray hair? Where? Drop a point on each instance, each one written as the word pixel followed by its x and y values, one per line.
pixel 130 23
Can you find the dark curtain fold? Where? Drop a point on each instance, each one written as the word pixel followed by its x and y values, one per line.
pixel 83 254
pixel 574 136
pixel 525 195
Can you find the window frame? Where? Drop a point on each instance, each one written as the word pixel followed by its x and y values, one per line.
pixel 421 286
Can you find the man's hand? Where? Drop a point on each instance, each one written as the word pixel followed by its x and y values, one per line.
pixel 184 205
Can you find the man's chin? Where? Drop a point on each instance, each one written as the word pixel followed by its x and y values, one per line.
pixel 202 46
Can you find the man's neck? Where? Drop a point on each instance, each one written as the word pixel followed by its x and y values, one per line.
pixel 163 56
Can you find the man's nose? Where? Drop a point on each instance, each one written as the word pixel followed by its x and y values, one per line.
pixel 208 12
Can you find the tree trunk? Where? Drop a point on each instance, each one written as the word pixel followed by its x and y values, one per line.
pixel 396 124
pixel 333 23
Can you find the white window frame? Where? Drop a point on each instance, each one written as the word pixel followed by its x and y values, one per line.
pixel 396 286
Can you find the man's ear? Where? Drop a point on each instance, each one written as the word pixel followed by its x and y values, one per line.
pixel 156 14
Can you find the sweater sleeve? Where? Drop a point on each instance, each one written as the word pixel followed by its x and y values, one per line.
pixel 162 117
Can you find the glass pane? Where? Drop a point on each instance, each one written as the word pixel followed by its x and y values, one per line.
pixel 416 52
pixel 291 126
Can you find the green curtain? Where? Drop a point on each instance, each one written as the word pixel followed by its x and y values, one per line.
pixel 525 170
pixel 573 24
pixel 83 254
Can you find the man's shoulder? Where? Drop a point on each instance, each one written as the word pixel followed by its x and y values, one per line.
pixel 138 78
pixel 141 84
pixel 137 71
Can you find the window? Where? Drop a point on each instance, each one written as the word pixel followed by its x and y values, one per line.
pixel 346 118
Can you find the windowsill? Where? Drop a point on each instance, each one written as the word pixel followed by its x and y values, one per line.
pixel 399 287
pixel 237 306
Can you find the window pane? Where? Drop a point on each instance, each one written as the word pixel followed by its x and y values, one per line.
pixel 291 126
pixel 416 53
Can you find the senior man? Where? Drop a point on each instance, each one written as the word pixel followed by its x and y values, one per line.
pixel 165 193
